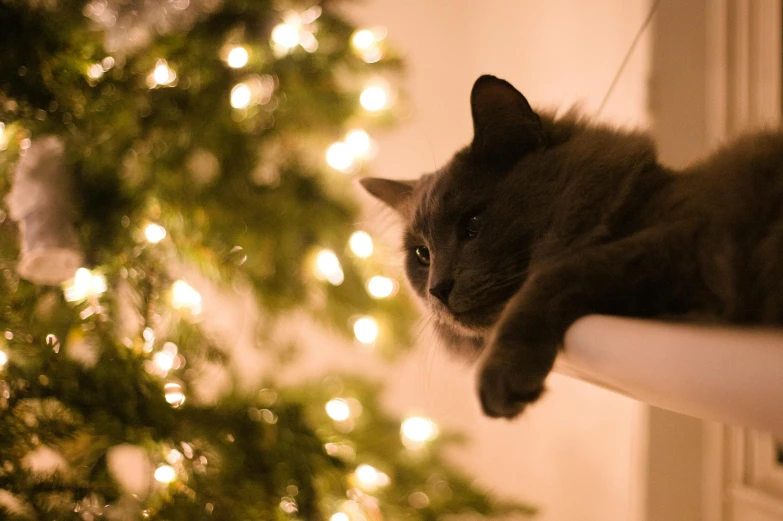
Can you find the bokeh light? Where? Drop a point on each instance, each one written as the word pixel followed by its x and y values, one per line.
pixel 365 329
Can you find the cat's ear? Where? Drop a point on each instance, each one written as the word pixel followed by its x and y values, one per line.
pixel 391 192
pixel 505 127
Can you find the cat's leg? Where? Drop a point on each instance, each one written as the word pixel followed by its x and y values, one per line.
pixel 769 278
pixel 645 274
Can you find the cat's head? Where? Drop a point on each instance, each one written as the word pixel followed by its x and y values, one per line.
pixel 469 225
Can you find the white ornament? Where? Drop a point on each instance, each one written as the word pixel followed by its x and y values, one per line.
pixel 40 201
pixel 130 467
pixel 44 461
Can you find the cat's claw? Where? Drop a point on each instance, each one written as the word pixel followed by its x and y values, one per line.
pixel 502 394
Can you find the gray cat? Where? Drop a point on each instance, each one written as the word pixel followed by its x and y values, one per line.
pixel 542 220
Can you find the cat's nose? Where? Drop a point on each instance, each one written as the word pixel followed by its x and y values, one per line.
pixel 442 289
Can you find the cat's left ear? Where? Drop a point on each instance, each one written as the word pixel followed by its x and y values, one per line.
pixel 393 193
pixel 505 127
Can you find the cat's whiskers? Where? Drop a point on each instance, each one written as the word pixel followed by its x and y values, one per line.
pixel 429 348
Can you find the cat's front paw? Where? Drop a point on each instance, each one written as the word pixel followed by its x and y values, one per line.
pixel 512 375
pixel 504 393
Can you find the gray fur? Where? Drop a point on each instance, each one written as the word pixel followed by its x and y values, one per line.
pixel 578 218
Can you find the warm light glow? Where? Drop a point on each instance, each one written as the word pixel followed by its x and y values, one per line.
pixel 312 14
pixel 174 394
pixel 366 43
pixel 372 55
pixel 241 95
pixel 370 478
pixel 237 57
pixel 417 430
pixel 359 143
pixel 154 233
pixel 4 360
pixel 419 499
pixel 338 409
pixel 183 295
pixel 95 71
pixel 308 41
pixel 163 361
pixel 380 287
pixel 363 39
pixel 340 157
pixel 149 339
pixel 165 474
pixel 340 516
pixel 163 74
pixel 327 267
pixel 83 285
pixel 366 330
pixel 361 244
pixel 2 130
pixel 374 98
pixel 174 456
pixel 285 35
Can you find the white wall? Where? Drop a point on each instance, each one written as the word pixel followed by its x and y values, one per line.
pixel 578 453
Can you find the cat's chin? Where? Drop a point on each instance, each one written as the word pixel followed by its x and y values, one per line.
pixel 466 344
pixel 462 333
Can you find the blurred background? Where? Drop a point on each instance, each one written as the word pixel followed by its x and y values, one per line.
pixel 196 364
pixel 701 73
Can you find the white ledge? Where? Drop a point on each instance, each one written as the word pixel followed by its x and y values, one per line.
pixel 731 375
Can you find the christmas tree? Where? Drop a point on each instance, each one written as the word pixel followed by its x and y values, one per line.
pixel 148 148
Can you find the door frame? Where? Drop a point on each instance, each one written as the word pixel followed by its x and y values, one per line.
pixel 716 73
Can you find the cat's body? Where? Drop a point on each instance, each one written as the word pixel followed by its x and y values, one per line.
pixel 541 221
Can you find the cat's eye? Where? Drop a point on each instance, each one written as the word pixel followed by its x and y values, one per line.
pixel 423 254
pixel 473 226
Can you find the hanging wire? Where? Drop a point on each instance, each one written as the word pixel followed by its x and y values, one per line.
pixel 628 54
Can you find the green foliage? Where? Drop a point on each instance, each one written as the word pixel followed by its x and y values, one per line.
pixel 247 199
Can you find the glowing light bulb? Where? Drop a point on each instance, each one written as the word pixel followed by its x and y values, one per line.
pixel 2 131
pixel 83 285
pixel 372 55
pixel 163 361
pixel 312 14
pixel 374 98
pixel 363 39
pixel 237 57
pixel 365 330
pixel 174 456
pixel 285 35
pixel 340 516
pixel 154 233
pixel 241 96
pixel 4 359
pixel 95 71
pixel 380 287
pixel 370 478
pixel 366 43
pixel 165 474
pixel 361 244
pixel 417 430
pixel 174 394
pixel 183 295
pixel 308 41
pixel 163 74
pixel 359 143
pixel 149 339
pixel 327 267
pixel 81 282
pixel 340 157
pixel 338 409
